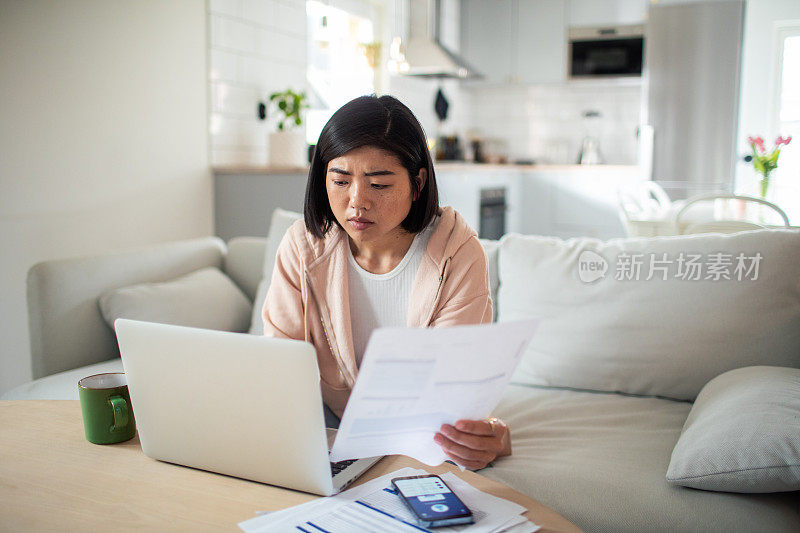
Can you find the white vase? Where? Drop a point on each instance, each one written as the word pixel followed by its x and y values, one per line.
pixel 288 149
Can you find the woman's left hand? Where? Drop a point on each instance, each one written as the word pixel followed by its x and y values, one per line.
pixel 474 443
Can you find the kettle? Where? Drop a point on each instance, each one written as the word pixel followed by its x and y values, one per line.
pixel 590 147
pixel 590 152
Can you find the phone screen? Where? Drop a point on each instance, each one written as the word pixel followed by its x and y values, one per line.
pixel 430 498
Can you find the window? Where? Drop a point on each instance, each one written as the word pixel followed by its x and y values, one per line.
pixel 342 58
pixel 786 120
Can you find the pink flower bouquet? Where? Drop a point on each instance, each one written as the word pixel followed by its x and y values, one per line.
pixel 765 162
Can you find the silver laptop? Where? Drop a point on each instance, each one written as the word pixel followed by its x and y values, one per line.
pixel 237 404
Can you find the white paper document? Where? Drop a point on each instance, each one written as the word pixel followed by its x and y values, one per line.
pixel 374 506
pixel 412 381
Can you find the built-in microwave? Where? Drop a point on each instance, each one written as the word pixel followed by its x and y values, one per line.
pixel 605 51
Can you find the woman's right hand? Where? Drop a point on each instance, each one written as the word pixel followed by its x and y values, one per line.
pixel 474 444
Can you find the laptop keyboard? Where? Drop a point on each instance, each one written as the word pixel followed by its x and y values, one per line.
pixel 341 465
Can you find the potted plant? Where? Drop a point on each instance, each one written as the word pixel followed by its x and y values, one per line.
pixel 287 146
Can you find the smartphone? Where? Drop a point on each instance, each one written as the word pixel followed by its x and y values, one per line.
pixel 431 501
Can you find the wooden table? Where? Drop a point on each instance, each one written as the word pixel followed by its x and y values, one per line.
pixel 52 479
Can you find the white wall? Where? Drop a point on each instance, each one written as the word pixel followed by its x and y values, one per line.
pixel 758 63
pixel 103 142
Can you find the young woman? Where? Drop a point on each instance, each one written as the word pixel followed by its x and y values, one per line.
pixel 375 249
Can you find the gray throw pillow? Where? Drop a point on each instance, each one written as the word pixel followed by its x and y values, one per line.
pixel 205 298
pixel 742 434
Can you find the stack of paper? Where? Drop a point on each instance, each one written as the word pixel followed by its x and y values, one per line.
pixel 374 506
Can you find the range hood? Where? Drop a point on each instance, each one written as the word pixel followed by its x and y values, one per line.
pixel 424 53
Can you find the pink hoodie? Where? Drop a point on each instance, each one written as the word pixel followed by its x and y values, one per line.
pixel 308 295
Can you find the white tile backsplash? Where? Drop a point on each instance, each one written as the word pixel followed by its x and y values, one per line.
pixel 233 100
pixel 223 131
pixel 291 17
pixel 545 123
pixel 224 66
pixel 232 8
pixel 256 47
pixel 233 35
pixel 233 133
pixel 267 42
pixel 261 12
pixel 256 71
pixel 296 77
pixel 283 47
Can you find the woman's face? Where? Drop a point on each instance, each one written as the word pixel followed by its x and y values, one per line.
pixel 370 194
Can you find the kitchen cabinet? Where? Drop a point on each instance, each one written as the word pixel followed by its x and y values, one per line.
pixel 607 12
pixel 525 41
pixel 576 201
pixel 460 186
pixel 486 39
pixel 541 51
pixel 245 198
pixel 515 41
pixel 556 200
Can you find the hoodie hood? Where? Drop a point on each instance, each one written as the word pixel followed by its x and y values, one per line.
pixel 450 235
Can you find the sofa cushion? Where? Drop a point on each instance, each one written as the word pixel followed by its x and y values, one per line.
pixel 604 328
pixel 599 460
pixel 492 249
pixel 244 263
pixel 743 433
pixel 61 386
pixel 278 225
pixel 206 298
pixel 66 327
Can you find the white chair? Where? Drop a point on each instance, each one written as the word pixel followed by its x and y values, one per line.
pixel 644 210
pixel 727 213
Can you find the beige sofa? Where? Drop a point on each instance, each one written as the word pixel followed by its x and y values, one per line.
pixel 70 339
pixel 594 418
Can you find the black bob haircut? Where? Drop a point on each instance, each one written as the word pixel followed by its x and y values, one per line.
pixel 384 123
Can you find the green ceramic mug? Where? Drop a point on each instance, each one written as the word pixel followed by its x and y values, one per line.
pixel 106 408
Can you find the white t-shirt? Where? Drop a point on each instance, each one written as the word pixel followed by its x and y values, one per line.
pixel 380 300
